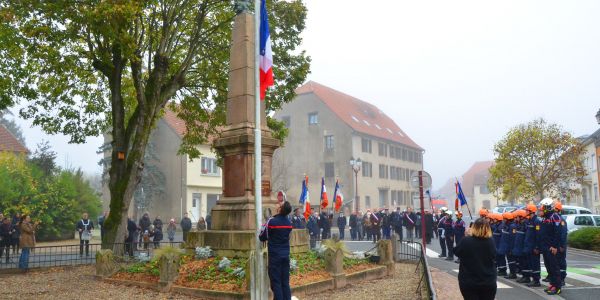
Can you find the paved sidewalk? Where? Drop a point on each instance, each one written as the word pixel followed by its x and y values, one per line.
pixel 446 285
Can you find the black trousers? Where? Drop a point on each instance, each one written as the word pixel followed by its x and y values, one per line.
pixel 87 247
pixel 450 245
pixel 279 275
pixel 478 293
pixel 442 242
pixel 552 265
pixel 5 246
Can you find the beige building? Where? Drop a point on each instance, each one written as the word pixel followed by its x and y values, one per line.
pixel 187 186
pixel 589 191
pixel 327 129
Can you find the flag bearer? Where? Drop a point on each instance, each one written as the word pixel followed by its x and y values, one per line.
pixel 550 242
pixel 517 249
pixel 459 229
pixel 531 248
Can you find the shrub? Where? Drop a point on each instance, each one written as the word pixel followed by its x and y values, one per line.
pixel 585 238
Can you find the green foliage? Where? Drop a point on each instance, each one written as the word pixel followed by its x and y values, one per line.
pixel 585 238
pixel 308 261
pixel 56 201
pixel 536 159
pixel 212 273
pixel 349 262
pixel 150 268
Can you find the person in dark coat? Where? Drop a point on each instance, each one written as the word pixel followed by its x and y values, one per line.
pixel 449 235
pixel 397 222
pixel 6 231
pixel 208 222
pixel 428 226
pixel 459 230
pixel 360 230
pixel 84 228
pixel 341 224
pixel 16 236
pixel 131 235
pixel 144 226
pixel 418 225
pixel 353 226
pixel 325 225
pixel 477 253
pixel 409 222
pixel 101 224
pixel 158 235
pixel 276 233
pixel 186 226
pixel 386 224
pixel 313 229
pixel 298 221
pixel 375 227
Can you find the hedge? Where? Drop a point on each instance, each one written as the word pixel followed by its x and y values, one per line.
pixel 585 238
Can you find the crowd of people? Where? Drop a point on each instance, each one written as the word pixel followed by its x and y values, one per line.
pixel 17 233
pixel 372 225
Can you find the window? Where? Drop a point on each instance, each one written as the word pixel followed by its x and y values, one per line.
pixel 484 189
pixel 585 212
pixel 410 156
pixel 382 171
pixel 584 221
pixel 196 199
pixel 393 174
pixel 568 211
pixel 382 149
pixel 595 192
pixel 382 198
pixel 407 174
pixel 593 161
pixel 209 166
pixel 394 199
pixel 313 118
pixel 367 169
pixel 404 154
pixel 329 142
pixel 368 201
pixel 329 170
pixel 597 220
pixel 286 121
pixel 366 145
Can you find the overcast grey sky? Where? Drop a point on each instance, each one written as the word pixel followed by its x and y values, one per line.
pixel 455 75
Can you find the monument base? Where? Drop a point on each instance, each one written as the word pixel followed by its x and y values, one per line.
pixel 232 243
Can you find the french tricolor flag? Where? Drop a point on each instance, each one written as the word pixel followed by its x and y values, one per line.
pixel 266 55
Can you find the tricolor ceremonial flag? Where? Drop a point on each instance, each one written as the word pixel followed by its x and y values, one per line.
pixel 338 197
pixel 324 201
pixel 460 196
pixel 305 198
pixel 266 55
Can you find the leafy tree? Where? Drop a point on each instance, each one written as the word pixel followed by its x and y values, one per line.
pixel 44 158
pixel 536 159
pixel 84 66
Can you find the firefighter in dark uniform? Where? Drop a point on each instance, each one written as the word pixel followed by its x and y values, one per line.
pixel 277 232
pixel 550 236
pixel 500 255
pixel 440 229
pixel 449 235
pixel 519 244
pixel 506 242
pixel 532 247
pixel 562 253
pixel 459 230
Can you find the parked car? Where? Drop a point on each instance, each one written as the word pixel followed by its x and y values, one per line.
pixel 506 208
pixel 575 210
pixel 578 221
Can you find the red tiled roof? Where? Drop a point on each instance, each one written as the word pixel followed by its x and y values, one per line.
pixel 479 168
pixel 8 142
pixel 361 116
pixel 178 125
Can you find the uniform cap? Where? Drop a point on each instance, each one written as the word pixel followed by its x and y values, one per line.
pixel 558 206
pixel 531 208
pixel 521 213
pixel 483 212
pixel 508 215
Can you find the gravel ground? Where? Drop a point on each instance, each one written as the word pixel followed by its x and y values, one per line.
pixel 400 286
pixel 73 283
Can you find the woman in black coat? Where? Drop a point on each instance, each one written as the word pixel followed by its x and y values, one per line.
pixel 477 271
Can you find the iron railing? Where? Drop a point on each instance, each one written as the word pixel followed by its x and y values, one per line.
pixel 72 255
pixel 414 252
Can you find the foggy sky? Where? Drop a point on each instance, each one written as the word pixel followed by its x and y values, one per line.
pixel 454 75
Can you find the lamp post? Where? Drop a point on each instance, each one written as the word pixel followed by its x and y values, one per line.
pixel 356 165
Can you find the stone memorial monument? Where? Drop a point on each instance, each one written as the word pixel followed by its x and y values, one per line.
pixel 233 217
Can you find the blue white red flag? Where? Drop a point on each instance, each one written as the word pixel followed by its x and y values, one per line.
pixel 266 55
pixel 338 197
pixel 460 196
pixel 324 200
pixel 305 198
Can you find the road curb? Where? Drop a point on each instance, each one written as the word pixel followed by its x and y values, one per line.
pixel 583 251
pixel 540 293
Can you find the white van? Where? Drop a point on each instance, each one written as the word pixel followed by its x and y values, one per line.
pixel 575 222
pixel 574 210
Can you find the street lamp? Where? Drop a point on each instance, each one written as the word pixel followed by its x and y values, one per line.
pixel 356 164
pixel 598 116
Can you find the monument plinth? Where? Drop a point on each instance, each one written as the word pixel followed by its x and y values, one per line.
pixel 233 218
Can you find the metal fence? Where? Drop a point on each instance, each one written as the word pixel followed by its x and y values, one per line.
pixel 72 255
pixel 414 252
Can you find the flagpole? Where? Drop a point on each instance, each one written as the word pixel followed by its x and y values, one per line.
pixel 259 281
pixel 466 202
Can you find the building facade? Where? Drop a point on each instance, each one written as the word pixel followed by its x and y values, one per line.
pixel 186 186
pixel 327 129
pixel 589 192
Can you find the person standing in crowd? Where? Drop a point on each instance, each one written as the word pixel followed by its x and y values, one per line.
pixel 16 236
pixel 397 222
pixel 353 226
pixel 459 229
pixel 325 226
pixel 436 219
pixel 386 225
pixel 26 240
pixel 428 226
pixel 375 227
pixel 531 248
pixel 409 223
pixel 449 235
pixel 171 229
pixel 298 221
pixel 506 242
pixel 418 225
pixel 276 232
pixel 313 229
pixel 562 250
pixel 6 231
pixel 476 253
pixel 550 243
pixel 84 228
pixel 208 222
pixel 101 220
pixel 497 229
pixel 341 224
pixel 359 226
pixel 201 225
pixel 158 232
pixel 144 226
pixel 186 226
pixel 518 245
pixel 440 227
pixel 131 236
